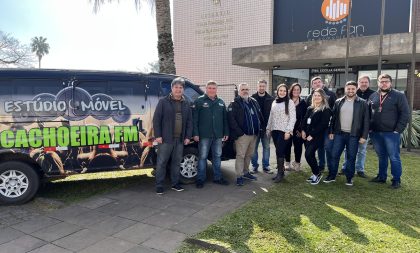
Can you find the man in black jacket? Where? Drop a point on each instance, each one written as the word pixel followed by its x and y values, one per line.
pixel 349 126
pixel 324 152
pixel 363 91
pixel 245 122
pixel 172 124
pixel 390 115
pixel 264 101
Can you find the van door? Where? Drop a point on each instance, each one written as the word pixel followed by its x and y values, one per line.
pixel 114 112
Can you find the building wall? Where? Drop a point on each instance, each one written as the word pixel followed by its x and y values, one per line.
pixel 205 31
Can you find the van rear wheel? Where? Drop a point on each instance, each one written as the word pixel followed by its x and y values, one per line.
pixel 19 182
pixel 189 165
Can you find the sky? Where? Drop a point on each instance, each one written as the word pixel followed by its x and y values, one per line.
pixel 118 37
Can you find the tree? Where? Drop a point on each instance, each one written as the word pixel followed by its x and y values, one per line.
pixel 164 31
pixel 13 53
pixel 152 67
pixel 40 47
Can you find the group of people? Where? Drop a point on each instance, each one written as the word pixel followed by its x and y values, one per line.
pixel 322 123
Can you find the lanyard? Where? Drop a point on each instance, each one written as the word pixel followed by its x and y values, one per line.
pixel 381 101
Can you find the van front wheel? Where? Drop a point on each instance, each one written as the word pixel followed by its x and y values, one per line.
pixel 18 182
pixel 189 165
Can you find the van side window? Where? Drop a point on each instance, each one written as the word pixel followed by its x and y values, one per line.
pixel 132 93
pixel 25 92
pixel 190 93
pixel 165 88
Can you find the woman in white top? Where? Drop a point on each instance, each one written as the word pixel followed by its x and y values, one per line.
pixel 280 125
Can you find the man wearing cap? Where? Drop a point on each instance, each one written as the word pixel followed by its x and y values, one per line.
pixel 172 124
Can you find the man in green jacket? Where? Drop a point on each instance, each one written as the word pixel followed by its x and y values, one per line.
pixel 210 129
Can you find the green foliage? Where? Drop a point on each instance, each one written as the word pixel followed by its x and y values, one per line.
pixel 415 134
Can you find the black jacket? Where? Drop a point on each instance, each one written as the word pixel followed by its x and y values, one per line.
pixel 360 124
pixel 236 116
pixel 164 119
pixel 265 110
pixel 394 115
pixel 300 113
pixel 331 97
pixel 318 124
pixel 365 94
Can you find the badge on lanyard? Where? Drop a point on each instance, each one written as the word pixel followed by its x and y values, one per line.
pixel 308 121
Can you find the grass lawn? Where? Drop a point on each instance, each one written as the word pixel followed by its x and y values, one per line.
pixel 295 216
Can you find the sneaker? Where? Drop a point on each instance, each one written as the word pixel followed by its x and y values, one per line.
pixel 287 166
pixel 361 174
pixel 395 184
pixel 317 179
pixel 311 178
pixel 221 182
pixel 239 181
pixel 250 177
pixel 329 179
pixel 159 190
pixel 349 182
pixel 177 188
pixel 254 170
pixel 377 179
pixel 296 166
pixel 199 185
pixel 267 170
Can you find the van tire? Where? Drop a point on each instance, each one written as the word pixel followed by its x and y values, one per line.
pixel 19 182
pixel 189 165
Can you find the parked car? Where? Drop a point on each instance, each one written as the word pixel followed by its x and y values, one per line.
pixel 55 123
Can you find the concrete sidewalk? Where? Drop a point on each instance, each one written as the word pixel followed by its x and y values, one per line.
pixel 131 220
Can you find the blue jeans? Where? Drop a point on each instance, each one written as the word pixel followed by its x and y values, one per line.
pixel 165 152
pixel 203 148
pixel 266 152
pixel 360 157
pixel 351 143
pixel 325 151
pixel 387 146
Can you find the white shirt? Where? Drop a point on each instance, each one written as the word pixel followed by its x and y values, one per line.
pixel 279 120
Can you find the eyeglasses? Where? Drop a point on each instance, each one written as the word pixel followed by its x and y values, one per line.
pixel 387 81
pixel 244 89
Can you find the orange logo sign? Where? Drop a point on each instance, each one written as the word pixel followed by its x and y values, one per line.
pixel 335 10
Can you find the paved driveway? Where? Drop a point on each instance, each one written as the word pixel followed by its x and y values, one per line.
pixel 129 220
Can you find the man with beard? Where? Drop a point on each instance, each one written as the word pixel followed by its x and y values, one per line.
pixel 245 117
pixel 363 91
pixel 390 115
pixel 349 127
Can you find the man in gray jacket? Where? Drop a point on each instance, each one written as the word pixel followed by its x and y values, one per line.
pixel 172 124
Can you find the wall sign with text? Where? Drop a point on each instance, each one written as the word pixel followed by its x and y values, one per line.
pixel 307 20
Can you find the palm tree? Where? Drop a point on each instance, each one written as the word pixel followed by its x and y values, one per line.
pixel 40 47
pixel 164 30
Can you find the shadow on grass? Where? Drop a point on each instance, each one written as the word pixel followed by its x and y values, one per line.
pixel 76 190
pixel 299 216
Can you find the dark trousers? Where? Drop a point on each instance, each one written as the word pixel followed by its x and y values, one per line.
pixel 280 143
pixel 310 150
pixel 351 143
pixel 165 152
pixel 297 147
